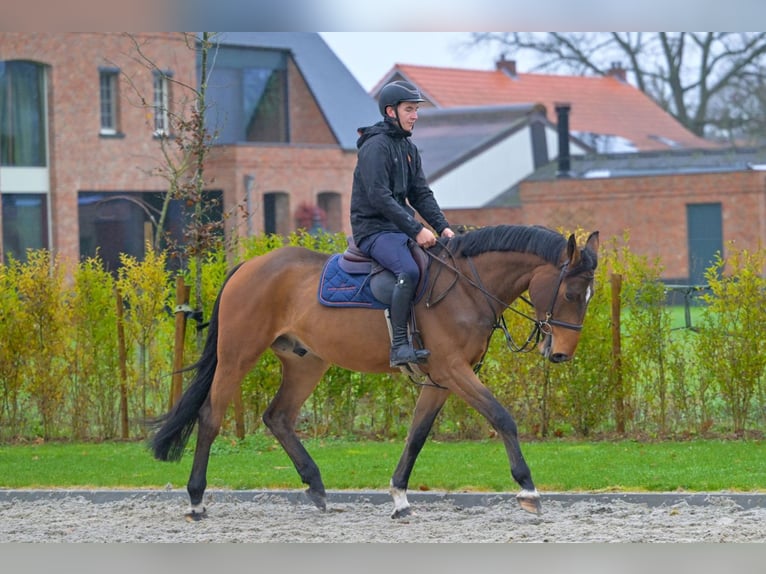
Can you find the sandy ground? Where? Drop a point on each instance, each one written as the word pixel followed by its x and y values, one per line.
pixel 109 516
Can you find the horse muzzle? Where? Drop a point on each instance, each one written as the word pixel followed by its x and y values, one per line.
pixel 546 350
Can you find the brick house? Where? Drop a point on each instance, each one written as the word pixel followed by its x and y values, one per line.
pixel 82 115
pixel 679 197
pixel 78 146
pixel 681 207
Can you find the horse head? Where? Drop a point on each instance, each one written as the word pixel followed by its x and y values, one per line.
pixel 560 297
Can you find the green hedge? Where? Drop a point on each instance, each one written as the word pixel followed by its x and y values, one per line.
pixel 60 373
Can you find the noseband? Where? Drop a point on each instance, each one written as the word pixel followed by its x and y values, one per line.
pixel 545 325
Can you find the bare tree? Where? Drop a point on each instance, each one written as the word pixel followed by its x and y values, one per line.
pixel 184 147
pixel 711 82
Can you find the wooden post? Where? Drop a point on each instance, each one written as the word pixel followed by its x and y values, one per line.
pixel 182 305
pixel 123 366
pixel 619 390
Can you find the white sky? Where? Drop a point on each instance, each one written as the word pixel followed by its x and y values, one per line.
pixel 370 55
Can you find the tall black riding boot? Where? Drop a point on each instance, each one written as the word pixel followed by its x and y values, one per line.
pixel 402 351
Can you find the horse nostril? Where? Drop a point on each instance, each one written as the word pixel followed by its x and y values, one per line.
pixel 559 357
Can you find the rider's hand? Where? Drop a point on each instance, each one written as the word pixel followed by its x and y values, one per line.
pixel 425 238
pixel 447 232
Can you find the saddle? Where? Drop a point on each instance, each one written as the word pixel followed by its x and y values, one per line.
pixel 355 262
pixel 352 279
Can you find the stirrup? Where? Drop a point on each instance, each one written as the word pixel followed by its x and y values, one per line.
pixel 406 354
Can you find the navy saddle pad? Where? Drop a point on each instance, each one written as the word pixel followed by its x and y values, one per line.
pixel 351 279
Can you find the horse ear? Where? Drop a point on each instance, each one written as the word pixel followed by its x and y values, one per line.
pixel 592 242
pixel 572 252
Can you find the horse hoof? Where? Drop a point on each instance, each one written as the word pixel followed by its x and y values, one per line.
pixel 194 516
pixel 530 501
pixel 319 500
pixel 402 512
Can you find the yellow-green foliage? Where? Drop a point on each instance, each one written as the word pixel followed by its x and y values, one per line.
pixel 94 356
pixel 15 339
pixel 733 334
pixel 146 288
pixel 647 350
pixel 42 297
pixel 60 375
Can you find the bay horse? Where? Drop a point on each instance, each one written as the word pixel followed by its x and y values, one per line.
pixel 270 301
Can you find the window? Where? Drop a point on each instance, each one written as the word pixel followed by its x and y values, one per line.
pixel 330 203
pixel 276 213
pixel 25 224
pixel 249 87
pixel 108 89
pixel 161 103
pixel 22 114
pixel 23 158
pixel 112 223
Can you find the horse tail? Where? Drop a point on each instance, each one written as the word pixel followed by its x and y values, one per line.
pixel 175 427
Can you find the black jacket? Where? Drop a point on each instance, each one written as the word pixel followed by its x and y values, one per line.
pixel 387 177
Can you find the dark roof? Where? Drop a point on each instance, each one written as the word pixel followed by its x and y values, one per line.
pixel 343 101
pixel 671 162
pixel 449 137
pixel 653 163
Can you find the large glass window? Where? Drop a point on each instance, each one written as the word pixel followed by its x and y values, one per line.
pixel 22 114
pixel 249 90
pixel 112 223
pixel 25 224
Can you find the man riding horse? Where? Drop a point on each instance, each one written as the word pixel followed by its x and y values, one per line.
pixel 388 183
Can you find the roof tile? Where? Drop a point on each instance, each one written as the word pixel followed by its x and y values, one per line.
pixel 600 105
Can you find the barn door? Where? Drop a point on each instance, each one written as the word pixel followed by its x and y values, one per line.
pixel 703 221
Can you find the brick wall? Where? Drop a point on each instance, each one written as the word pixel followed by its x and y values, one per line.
pixel 481 217
pixel 80 159
pixel 304 171
pixel 652 210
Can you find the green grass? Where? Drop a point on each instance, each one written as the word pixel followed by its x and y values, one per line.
pixel 258 462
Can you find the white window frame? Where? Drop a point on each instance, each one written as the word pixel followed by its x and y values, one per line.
pixel 108 112
pixel 161 103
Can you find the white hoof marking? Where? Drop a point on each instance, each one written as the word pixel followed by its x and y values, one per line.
pixel 400 500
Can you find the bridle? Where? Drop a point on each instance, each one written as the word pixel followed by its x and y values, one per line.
pixel 541 327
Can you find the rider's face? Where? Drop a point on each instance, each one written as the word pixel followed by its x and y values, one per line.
pixel 408 114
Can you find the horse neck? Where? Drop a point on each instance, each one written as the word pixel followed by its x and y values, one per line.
pixel 505 274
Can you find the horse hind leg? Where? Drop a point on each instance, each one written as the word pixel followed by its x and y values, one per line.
pixel 429 403
pixel 232 367
pixel 300 376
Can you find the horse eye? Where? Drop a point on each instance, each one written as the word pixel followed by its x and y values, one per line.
pixel 570 296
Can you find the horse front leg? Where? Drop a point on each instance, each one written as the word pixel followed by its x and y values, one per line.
pixel 468 387
pixel 429 403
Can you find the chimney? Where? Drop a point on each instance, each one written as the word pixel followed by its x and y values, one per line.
pixel 507 66
pixel 617 71
pixel 562 115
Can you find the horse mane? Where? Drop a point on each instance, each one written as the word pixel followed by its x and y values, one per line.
pixel 534 239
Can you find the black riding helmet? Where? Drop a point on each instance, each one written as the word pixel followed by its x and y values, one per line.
pixel 396 92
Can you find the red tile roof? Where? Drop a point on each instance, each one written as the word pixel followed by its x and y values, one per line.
pixel 600 105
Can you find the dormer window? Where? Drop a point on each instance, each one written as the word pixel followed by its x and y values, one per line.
pixel 249 86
